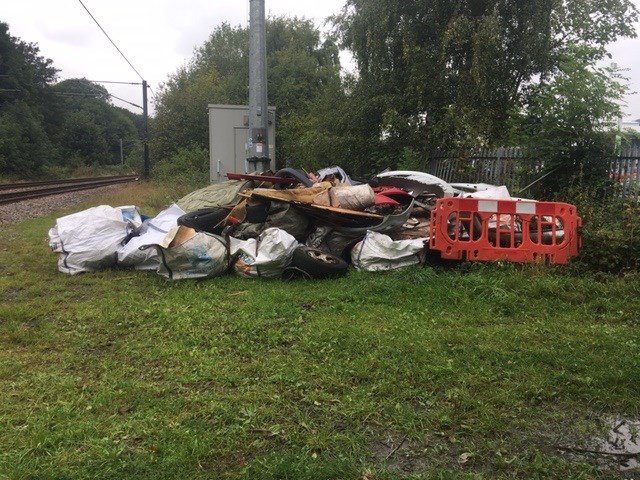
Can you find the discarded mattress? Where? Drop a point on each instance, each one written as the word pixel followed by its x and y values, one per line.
pixel 88 241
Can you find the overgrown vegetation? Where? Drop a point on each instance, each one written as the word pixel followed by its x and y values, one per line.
pixel 478 372
pixel 50 129
pixel 188 166
pixel 611 236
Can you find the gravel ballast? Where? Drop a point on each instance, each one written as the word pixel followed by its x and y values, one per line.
pixel 38 207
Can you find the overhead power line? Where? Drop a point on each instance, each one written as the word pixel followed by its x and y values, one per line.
pixel 144 94
pixel 112 42
pixel 85 94
pixel 99 92
pixel 112 81
pixel 126 101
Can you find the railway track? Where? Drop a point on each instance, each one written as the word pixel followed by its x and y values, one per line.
pixel 16 192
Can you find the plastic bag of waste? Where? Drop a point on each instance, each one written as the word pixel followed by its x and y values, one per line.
pixel 378 252
pixel 266 256
pixel 88 240
pixel 356 197
pixel 186 253
pixel 152 231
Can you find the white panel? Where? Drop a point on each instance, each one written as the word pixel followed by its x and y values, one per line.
pixel 487 206
pixel 526 207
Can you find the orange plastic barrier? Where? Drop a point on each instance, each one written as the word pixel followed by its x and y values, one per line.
pixel 514 230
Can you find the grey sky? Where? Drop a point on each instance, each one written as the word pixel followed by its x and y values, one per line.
pixel 158 36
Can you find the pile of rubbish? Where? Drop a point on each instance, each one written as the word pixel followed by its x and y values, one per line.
pixel 287 224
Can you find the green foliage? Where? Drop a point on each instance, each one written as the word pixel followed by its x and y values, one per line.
pixel 187 166
pixel 320 133
pixel 23 69
pixel 300 68
pixel 568 120
pixel 91 126
pixel 611 233
pixel 446 74
pixel 181 114
pixel 53 129
pixel 25 147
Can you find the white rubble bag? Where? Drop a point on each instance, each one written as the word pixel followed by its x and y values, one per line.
pixel 151 232
pixel 266 256
pixel 187 253
pixel 88 240
pixel 377 252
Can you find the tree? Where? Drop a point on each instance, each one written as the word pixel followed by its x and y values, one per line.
pixel 42 124
pixel 91 126
pixel 25 77
pixel 299 63
pixel 25 147
pixel 566 121
pixel 447 74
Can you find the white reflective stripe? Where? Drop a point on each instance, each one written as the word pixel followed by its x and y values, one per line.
pixel 487 205
pixel 525 207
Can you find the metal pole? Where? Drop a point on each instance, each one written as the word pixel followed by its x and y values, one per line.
pixel 258 138
pixel 121 155
pixel 145 132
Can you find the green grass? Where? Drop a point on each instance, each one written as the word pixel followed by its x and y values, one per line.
pixel 477 372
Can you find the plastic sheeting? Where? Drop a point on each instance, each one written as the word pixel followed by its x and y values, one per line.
pixel 378 252
pixel 88 241
pixel 152 231
pixel 214 195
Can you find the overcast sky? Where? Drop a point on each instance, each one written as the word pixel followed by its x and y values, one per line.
pixel 157 36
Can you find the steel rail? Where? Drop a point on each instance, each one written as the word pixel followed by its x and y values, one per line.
pixel 20 185
pixel 12 197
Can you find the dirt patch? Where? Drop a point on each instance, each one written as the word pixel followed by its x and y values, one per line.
pixel 614 447
pixel 400 453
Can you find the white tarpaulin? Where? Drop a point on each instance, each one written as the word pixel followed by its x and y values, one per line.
pixel 378 252
pixel 152 231
pixel 88 240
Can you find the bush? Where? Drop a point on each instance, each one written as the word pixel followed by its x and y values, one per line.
pixel 610 234
pixel 188 166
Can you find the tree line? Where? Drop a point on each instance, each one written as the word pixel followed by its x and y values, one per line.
pixel 54 128
pixel 429 75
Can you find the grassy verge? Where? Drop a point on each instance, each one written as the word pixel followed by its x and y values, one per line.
pixel 421 373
